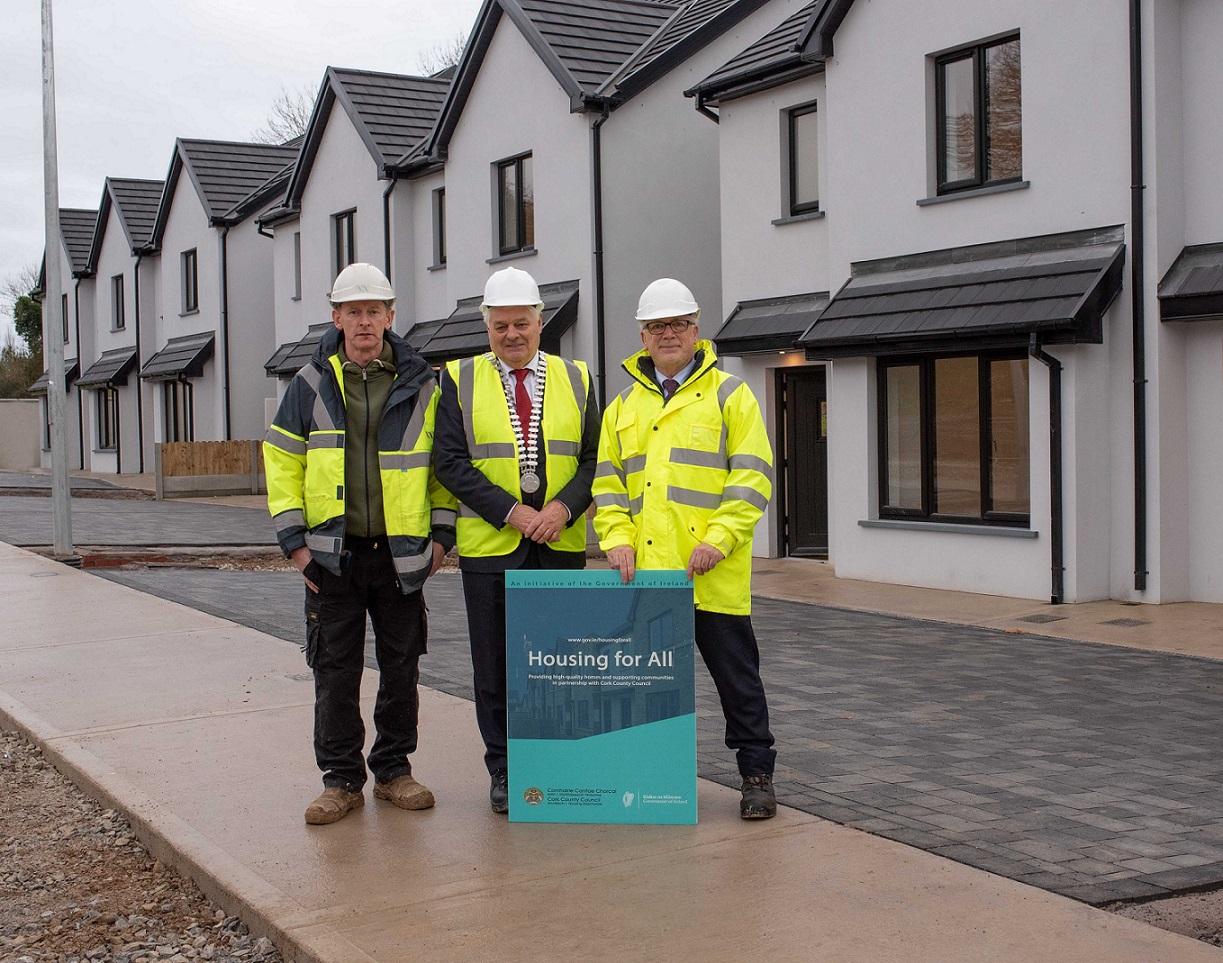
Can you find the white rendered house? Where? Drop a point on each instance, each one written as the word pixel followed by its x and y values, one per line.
pixel 991 364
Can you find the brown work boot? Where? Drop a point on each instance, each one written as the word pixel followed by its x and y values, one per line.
pixel 333 805
pixel 405 792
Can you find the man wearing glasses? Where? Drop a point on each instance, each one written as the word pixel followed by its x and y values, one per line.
pixel 685 472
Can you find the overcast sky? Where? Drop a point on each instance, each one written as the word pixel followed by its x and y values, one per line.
pixel 132 75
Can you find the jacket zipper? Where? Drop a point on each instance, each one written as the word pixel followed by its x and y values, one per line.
pixel 365 457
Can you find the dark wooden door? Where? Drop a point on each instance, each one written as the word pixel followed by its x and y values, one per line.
pixel 804 393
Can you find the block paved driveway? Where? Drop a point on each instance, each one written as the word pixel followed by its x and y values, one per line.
pixel 26 520
pixel 1089 770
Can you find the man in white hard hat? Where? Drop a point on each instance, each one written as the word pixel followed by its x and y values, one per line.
pixel 517 439
pixel 358 511
pixel 685 472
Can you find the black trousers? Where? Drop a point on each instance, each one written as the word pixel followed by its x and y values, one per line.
pixel 728 646
pixel 484 593
pixel 335 650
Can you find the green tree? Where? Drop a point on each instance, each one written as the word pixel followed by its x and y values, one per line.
pixel 27 319
pixel 19 369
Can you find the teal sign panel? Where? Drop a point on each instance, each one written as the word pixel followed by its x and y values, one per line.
pixel 601 700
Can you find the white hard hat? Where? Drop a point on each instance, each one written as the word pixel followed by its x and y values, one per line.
pixel 666 298
pixel 511 287
pixel 361 282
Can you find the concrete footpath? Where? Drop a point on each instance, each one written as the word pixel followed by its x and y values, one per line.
pixel 198 730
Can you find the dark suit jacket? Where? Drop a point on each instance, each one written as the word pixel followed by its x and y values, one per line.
pixel 452 462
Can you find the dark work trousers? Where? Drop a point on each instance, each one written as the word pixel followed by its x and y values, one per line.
pixel 335 650
pixel 728 646
pixel 484 593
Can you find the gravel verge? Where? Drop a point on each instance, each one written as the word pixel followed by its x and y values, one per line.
pixel 76 885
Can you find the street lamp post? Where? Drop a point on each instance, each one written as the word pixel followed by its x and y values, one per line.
pixel 52 341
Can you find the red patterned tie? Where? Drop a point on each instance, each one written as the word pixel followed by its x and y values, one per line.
pixel 522 401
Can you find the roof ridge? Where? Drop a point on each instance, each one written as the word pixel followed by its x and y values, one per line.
pixel 361 71
pixel 232 143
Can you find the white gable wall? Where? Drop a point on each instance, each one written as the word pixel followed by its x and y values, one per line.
pixel 115 257
pixel 290 323
pixel 422 293
pixel 251 328
pixel 515 106
pixel 186 228
pixel 343 177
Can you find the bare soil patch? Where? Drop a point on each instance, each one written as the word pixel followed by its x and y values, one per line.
pixel 76 885
pixel 1199 915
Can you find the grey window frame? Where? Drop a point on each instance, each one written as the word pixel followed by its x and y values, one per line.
pixel 297 266
pixel 189 263
pixel 108 419
pixel 439 227
pixel 975 52
pixel 793 207
pixel 171 391
pixel 927 513
pixel 344 238
pixel 118 315
pixel 520 243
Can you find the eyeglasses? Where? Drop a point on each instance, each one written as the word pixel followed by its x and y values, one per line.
pixel 678 325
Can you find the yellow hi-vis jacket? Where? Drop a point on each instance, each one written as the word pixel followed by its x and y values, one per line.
pixel 303 456
pixel 697 469
pixel 494 447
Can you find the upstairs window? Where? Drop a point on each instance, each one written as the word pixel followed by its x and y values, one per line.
pixel 297 265
pixel 979 116
pixel 118 319
pixel 191 281
pixel 515 205
pixel 345 240
pixel 439 227
pixel 63 314
pixel 802 160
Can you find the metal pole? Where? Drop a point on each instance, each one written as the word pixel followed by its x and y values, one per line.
pixel 53 341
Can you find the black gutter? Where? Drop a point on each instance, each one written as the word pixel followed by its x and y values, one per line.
pixel 139 388
pixel 1056 523
pixel 225 323
pixel 80 354
pixel 1137 298
pixel 386 222
pixel 259 229
pixel 596 183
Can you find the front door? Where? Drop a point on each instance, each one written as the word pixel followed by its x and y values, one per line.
pixel 804 399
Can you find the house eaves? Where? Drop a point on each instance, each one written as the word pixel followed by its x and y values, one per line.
pixel 771 61
pixel 815 44
pixel 136 201
pixel 223 173
pixel 583 43
pixel 391 113
pixel 693 27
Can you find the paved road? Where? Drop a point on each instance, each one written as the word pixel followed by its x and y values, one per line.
pixel 32 480
pixel 26 521
pixel 1088 770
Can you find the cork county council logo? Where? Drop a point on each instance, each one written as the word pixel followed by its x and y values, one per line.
pixel 533 796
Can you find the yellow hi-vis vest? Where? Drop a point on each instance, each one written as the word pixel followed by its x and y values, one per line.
pixel 303 455
pixel 696 469
pixel 494 448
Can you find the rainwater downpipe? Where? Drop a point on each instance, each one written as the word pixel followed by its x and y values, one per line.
pixel 596 178
pixel 1057 590
pixel 1137 297
pixel 386 224
pixel 225 323
pixel 80 359
pixel 139 388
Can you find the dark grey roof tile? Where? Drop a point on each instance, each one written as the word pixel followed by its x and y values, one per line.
pixel 464 333
pixel 774 53
pixel 182 357
pixel 396 110
pixel 228 171
pixel 77 227
pixel 769 324
pixel 137 201
pixel 112 368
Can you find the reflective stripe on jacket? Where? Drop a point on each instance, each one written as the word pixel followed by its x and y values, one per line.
pixel 697 469
pixel 494 447
pixel 303 455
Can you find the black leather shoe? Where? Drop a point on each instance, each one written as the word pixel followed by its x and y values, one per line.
pixel 758 801
pixel 499 792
